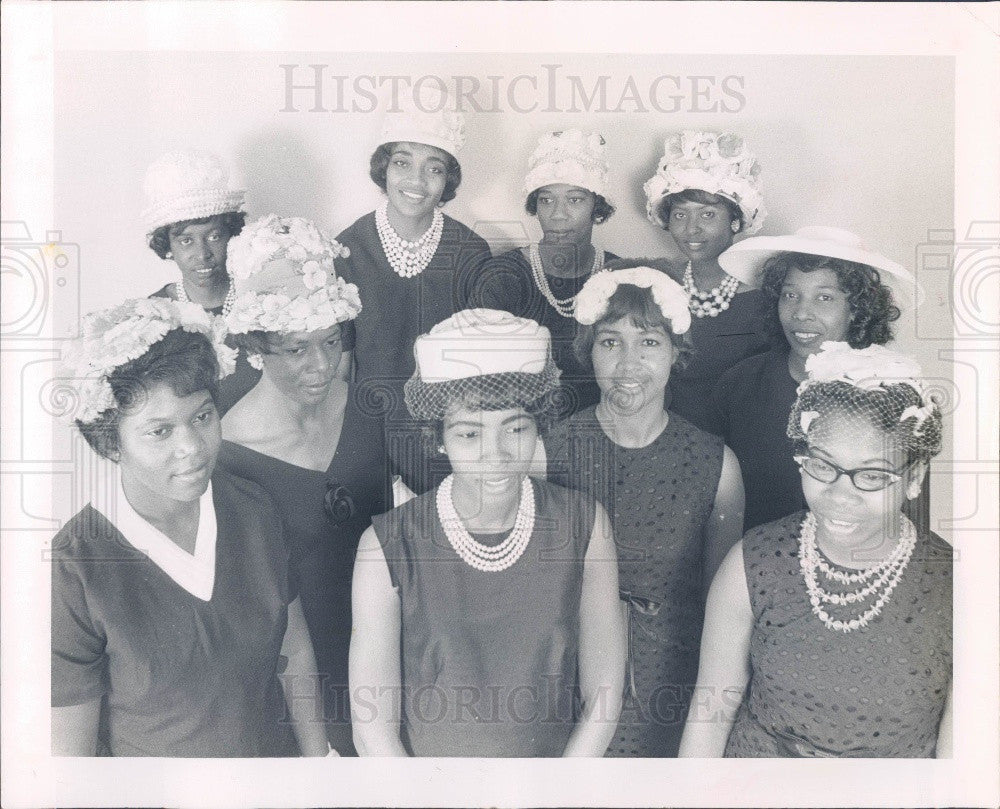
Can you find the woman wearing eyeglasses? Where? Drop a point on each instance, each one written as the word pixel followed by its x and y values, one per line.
pixel 828 633
pixel 300 433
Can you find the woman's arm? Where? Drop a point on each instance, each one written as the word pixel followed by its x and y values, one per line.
pixel 375 676
pixel 944 740
pixel 603 646
pixel 724 665
pixel 303 692
pixel 725 524
pixel 74 729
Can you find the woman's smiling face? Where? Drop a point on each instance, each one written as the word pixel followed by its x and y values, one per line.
pixel 813 309
pixel 490 450
pixel 200 252
pixel 415 179
pixel 702 231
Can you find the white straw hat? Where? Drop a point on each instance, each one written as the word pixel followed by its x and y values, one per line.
pixel 427 117
pixel 745 259
pixel 573 157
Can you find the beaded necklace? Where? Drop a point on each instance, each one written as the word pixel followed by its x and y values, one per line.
pixel 408 259
pixel 880 580
pixel 227 304
pixel 490 559
pixel 713 302
pixel 564 306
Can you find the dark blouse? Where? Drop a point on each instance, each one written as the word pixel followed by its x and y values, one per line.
pixel 179 676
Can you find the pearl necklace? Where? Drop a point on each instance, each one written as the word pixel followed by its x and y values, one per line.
pixel 227 303
pixel 713 302
pixel 567 306
pixel 489 559
pixel 885 576
pixel 408 259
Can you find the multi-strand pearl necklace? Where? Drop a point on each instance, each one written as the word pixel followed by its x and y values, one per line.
pixel 490 559
pixel 227 303
pixel 713 302
pixel 564 306
pixel 879 581
pixel 408 259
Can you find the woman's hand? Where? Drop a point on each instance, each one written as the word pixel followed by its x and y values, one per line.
pixel 603 646
pixel 724 666
pixel 306 709
pixel 375 674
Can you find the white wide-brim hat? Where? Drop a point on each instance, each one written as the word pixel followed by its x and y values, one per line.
pixel 745 259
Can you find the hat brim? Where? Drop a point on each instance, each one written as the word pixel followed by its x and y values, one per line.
pixel 745 260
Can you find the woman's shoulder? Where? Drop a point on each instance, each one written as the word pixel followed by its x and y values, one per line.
pixel 465 235
pixel 358 228
pixel 763 540
pixel 672 268
pixel 166 291
pixel 88 535
pixel 680 427
pixel 235 494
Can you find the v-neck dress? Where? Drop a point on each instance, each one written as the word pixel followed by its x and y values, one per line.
pixel 322 548
pixel 178 675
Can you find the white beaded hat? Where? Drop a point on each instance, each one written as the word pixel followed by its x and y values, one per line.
pixel 720 164
pixel 427 116
pixel 573 157
pixel 746 259
pixel 188 184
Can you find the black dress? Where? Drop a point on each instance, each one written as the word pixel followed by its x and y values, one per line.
pixel 506 283
pixel 324 515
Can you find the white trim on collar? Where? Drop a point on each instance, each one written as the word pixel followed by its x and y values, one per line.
pixel 194 572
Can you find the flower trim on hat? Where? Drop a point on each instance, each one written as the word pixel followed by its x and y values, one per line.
pixel 322 299
pixel 707 161
pixel 870 369
pixel 573 157
pixel 592 300
pixel 113 337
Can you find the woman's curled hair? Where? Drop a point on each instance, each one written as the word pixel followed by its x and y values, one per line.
pixel 184 361
pixel 602 208
pixel 871 301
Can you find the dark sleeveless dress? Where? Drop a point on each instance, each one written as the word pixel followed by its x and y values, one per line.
pixel 658 498
pixel 506 283
pixel 489 659
pixel 876 692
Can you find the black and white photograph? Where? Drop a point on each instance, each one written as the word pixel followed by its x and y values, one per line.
pixel 485 384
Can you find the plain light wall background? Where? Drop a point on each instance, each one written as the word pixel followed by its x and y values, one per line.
pixel 862 143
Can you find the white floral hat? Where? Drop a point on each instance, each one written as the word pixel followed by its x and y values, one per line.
pixel 425 116
pixel 188 184
pixel 592 300
pixel 284 277
pixel 745 259
pixel 573 157
pixel 112 337
pixel 720 164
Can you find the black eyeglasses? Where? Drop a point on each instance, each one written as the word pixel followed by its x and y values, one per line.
pixel 865 478
pixel 338 503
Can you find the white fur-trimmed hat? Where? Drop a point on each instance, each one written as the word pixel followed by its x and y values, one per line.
pixel 426 116
pixel 573 157
pixel 187 184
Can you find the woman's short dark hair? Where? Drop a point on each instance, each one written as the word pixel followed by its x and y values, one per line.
pixel 159 239
pixel 700 197
pixel 602 208
pixel 184 361
pixel 638 305
pixel 871 302
pixel 380 163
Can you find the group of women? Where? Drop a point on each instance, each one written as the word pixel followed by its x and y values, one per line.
pixel 450 504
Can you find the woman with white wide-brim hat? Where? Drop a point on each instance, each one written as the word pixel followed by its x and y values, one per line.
pixel 707 191
pixel 566 189
pixel 821 284
pixel 411 263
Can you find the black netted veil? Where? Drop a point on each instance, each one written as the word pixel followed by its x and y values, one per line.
pixel 881 406
pixel 432 400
